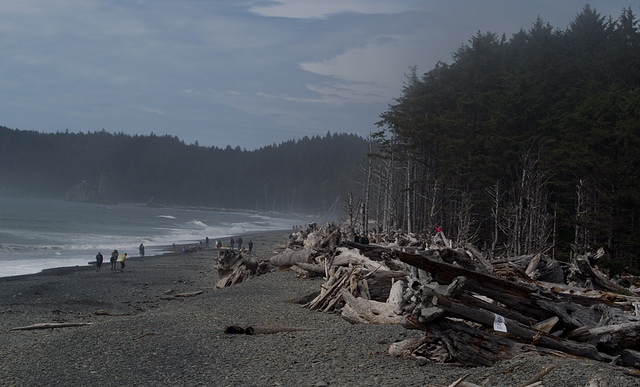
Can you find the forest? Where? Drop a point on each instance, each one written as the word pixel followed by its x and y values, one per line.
pixel 306 176
pixel 521 145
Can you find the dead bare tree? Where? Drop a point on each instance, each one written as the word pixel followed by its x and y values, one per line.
pixel 495 195
pixel 366 190
pixel 464 220
pixel 407 199
pixel 526 222
pixel 347 207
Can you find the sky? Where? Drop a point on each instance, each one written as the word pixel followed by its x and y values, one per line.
pixel 237 72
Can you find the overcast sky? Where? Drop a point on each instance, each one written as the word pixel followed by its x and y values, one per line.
pixel 236 72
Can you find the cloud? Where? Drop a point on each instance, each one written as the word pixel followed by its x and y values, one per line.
pixel 148 109
pixel 371 73
pixel 308 9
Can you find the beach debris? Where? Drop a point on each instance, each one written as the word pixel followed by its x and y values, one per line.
pixel 145 335
pixel 189 294
pixel 474 311
pixel 533 382
pixel 50 326
pixel 264 329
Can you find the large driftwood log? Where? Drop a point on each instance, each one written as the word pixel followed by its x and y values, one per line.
pixel 346 257
pixel 581 273
pixel 539 267
pixel 291 257
pixel 630 332
pixel 361 311
pixel 479 303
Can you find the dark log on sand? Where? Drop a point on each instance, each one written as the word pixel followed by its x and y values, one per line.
pixel 265 329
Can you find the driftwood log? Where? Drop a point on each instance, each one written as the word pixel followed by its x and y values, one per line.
pixel 266 329
pixel 50 326
pixel 291 257
pixel 235 267
pixel 360 310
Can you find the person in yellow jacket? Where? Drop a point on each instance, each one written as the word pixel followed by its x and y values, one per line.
pixel 122 261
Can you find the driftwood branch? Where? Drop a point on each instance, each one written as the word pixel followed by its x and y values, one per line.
pixel 50 326
pixel 189 294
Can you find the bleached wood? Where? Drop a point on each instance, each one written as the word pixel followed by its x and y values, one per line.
pixel 50 326
pixel 359 310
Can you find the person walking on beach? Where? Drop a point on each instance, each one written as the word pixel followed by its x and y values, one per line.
pixel 239 240
pixel 206 242
pixel 231 243
pixel 218 244
pixel 122 261
pixel 141 249
pixel 250 246
pixel 99 259
pixel 114 258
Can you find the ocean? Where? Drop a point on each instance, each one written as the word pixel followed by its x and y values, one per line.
pixel 37 234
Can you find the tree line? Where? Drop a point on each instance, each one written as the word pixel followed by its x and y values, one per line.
pixel 520 145
pixel 308 175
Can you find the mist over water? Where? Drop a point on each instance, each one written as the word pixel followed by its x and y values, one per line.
pixel 37 234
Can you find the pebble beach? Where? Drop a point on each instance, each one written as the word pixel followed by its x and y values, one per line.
pixel 160 322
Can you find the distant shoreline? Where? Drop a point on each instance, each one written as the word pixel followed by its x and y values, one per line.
pixel 164 251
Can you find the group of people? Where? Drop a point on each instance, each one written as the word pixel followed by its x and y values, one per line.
pixel 239 241
pixel 233 242
pixel 115 258
pixel 218 245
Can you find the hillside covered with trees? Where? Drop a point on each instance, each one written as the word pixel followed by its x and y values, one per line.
pixel 520 145
pixel 303 176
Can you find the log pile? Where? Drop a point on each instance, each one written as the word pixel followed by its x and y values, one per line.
pixel 473 311
pixel 237 266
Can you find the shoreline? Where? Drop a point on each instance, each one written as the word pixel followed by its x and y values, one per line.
pixel 159 250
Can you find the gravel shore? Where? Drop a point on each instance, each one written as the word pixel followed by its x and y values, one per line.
pixel 143 334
